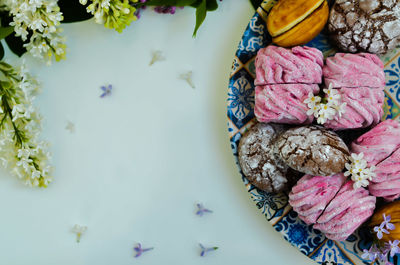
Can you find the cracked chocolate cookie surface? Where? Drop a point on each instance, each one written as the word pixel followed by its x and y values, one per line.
pixel 312 150
pixel 365 25
pixel 258 160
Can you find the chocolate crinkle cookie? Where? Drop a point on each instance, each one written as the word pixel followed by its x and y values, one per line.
pixel 258 160
pixel 365 25
pixel 312 150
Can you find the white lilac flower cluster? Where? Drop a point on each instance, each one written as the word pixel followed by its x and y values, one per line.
pixel 390 248
pixel 324 111
pixel 359 171
pixel 39 21
pixel 114 14
pixel 21 151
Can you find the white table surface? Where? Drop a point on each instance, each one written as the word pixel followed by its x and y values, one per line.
pixel 139 160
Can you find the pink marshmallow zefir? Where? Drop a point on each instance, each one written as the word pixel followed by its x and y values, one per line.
pixel 379 142
pixel 363 108
pixel 346 212
pixel 277 65
pixel 284 103
pixel 310 196
pixel 386 183
pixel 354 70
pixel 360 80
pixel 284 79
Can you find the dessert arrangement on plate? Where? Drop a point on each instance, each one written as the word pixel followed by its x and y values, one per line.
pixel 312 116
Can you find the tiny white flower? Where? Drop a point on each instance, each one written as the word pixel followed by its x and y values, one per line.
pixel 341 109
pixel 325 113
pixel 38 24
pixel 17 112
pixel 370 172
pixel 312 100
pixel 314 110
pixel 99 17
pixel 332 96
pixel 359 181
pixel 359 171
pixel 321 119
pixel 105 4
pixel 357 158
pixel 83 2
pixel 79 230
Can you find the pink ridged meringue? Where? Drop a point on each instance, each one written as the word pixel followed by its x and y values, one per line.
pixel 378 143
pixel 277 65
pixel 312 194
pixel 354 70
pixel 386 183
pixel 346 212
pixel 363 108
pixel 284 103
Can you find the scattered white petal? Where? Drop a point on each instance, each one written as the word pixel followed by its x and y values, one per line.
pixel 157 57
pixel 70 127
pixel 188 78
pixel 79 230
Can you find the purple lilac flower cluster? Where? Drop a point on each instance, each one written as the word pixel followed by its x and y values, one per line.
pixel 166 9
pixel 382 252
pixel 158 9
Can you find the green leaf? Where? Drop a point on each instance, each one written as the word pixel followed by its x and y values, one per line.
pixel 256 3
pixel 4 32
pixel 201 13
pixel 73 11
pixel 212 5
pixel 1 51
pixel 15 44
pixel 168 2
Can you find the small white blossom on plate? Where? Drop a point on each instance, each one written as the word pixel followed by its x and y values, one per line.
pixel 326 112
pixel 79 230
pixel 332 95
pixel 326 108
pixel 188 78
pixel 341 109
pixel 312 102
pixel 359 171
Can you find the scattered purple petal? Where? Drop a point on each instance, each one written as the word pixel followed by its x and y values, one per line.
pixel 371 254
pixel 386 222
pixel 106 90
pixel 201 210
pixel 380 230
pixel 205 250
pixel 139 250
pixel 394 247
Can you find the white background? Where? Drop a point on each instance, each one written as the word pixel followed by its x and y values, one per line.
pixel 139 160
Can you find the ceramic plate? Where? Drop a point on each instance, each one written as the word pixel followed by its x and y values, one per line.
pixel 241 117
